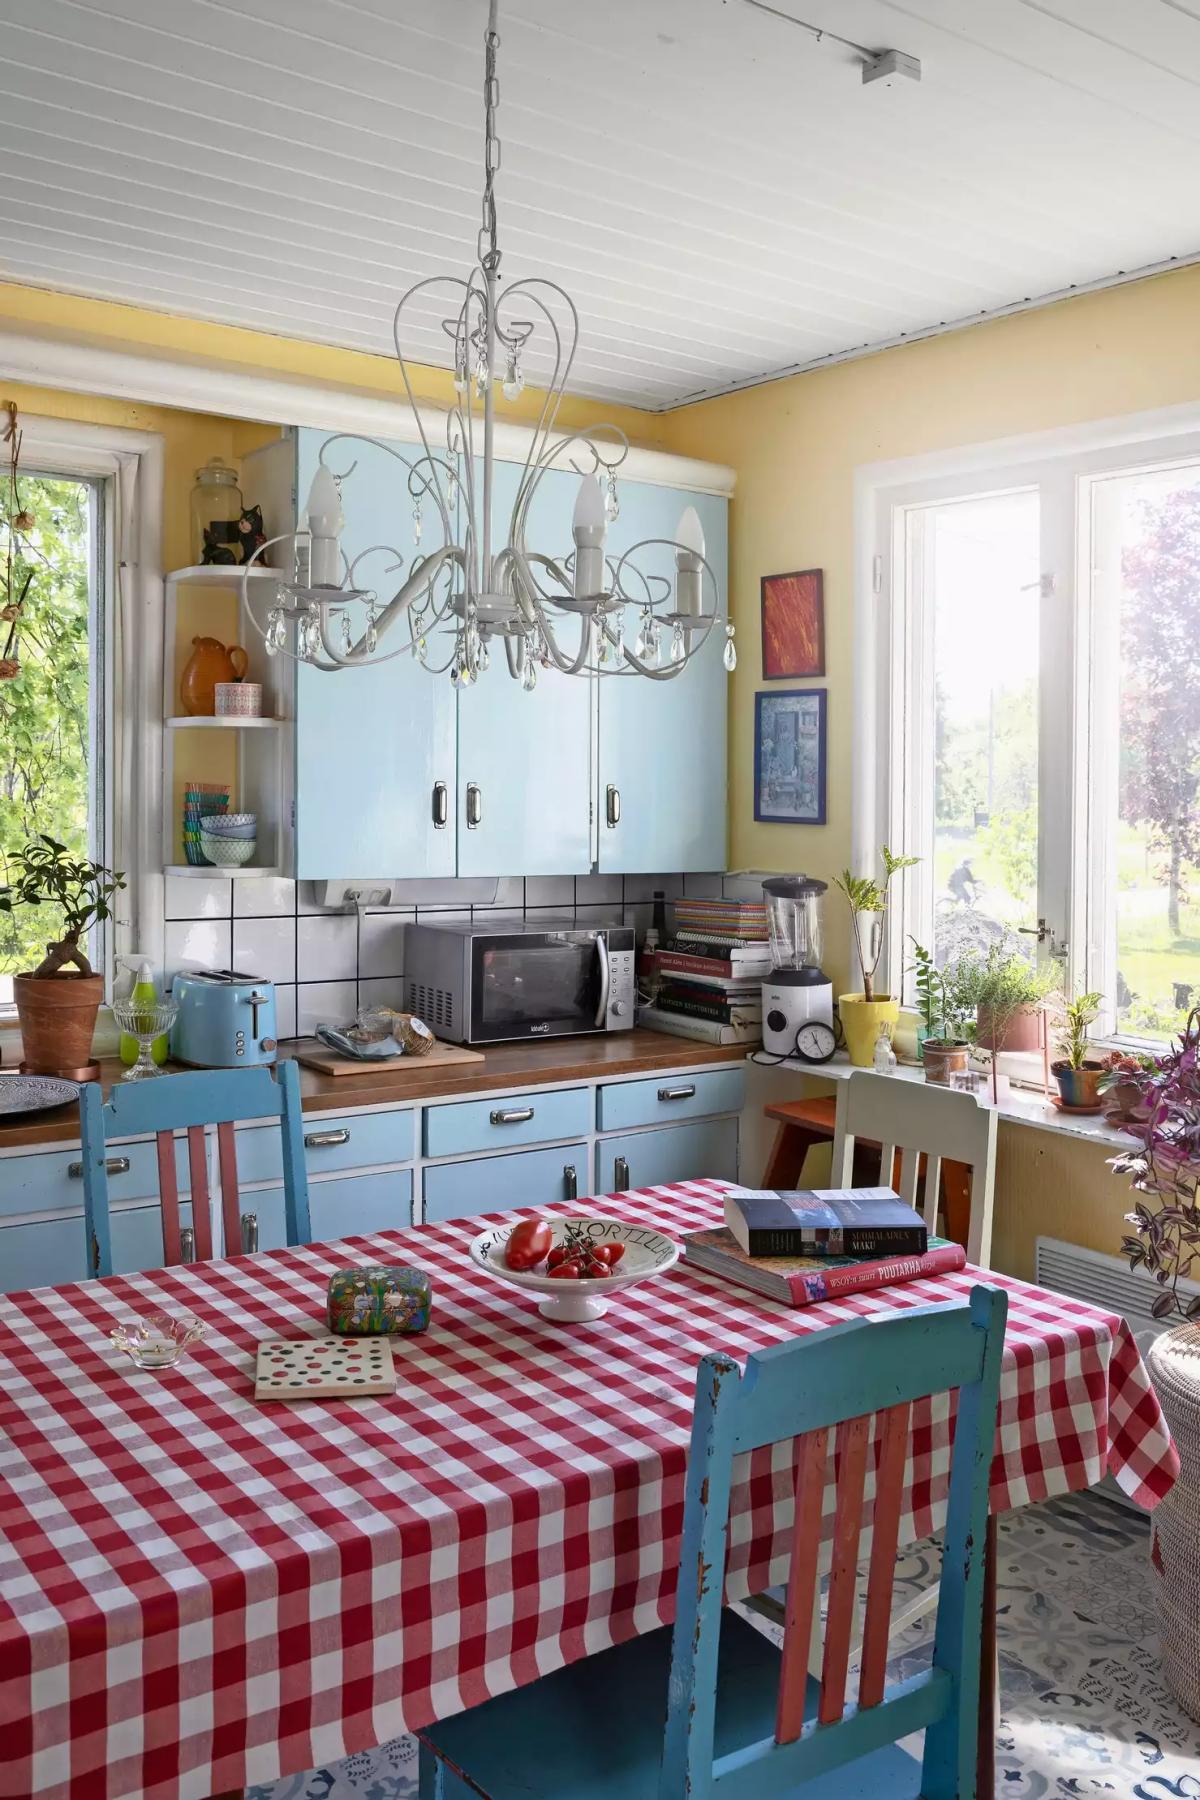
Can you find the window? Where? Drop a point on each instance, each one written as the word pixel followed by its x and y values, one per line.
pixel 1034 692
pixel 54 711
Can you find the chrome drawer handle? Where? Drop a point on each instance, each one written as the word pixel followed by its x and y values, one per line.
pixel 570 1182
pixel 686 1092
pixel 441 807
pixel 113 1165
pixel 621 1173
pixel 512 1115
pixel 187 1244
pixel 326 1140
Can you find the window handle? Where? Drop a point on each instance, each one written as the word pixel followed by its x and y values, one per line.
pixel 113 1165
pixel 1041 931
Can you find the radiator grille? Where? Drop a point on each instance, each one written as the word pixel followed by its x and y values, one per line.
pixel 433 1004
pixel 1107 1282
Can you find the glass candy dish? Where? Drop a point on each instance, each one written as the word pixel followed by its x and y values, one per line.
pixel 159 1341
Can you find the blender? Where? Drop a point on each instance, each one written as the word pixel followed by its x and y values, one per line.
pixel 797 992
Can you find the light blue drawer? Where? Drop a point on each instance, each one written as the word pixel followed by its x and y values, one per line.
pixel 663 1098
pixel 677 1153
pixel 352 1206
pixel 498 1124
pixel 354 1142
pixel 494 1183
pixel 44 1182
pixel 45 1254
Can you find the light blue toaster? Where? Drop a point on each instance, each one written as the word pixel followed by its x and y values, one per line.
pixel 226 1020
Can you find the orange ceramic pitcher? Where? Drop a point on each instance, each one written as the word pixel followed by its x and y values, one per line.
pixel 209 663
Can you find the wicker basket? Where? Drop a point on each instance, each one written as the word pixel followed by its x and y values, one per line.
pixel 1174 1361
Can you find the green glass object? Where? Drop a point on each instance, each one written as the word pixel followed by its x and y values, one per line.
pixel 379 1300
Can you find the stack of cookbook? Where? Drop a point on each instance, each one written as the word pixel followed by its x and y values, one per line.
pixel 816 1244
pixel 711 973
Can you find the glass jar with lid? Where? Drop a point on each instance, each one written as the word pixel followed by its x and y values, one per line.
pixel 216 513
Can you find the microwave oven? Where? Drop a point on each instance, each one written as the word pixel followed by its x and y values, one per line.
pixel 483 984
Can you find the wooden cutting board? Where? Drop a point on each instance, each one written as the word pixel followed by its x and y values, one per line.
pixel 316 1055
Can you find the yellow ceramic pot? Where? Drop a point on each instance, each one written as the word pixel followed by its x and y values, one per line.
pixel 861 1020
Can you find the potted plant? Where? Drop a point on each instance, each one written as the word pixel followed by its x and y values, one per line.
pixel 1005 991
pixel 941 1043
pixel 1122 1082
pixel 58 1001
pixel 1078 1075
pixel 863 1014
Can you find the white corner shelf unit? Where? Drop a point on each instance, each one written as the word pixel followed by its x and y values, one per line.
pixel 263 747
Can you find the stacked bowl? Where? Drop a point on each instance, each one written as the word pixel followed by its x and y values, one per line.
pixel 228 839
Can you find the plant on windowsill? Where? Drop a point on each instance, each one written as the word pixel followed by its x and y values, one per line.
pixel 1121 1085
pixel 1007 994
pixel 942 1042
pixel 863 1014
pixel 58 1001
pixel 1078 1075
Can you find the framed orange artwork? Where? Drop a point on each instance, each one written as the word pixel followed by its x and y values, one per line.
pixel 793 625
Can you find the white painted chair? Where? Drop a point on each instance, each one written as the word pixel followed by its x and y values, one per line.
pixel 918 1122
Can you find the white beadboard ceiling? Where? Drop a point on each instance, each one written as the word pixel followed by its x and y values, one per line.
pixel 720 193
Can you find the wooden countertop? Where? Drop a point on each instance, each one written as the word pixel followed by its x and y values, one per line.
pixel 543 1064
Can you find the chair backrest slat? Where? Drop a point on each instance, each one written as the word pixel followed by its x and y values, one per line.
pixel 845 1376
pixel 918 1120
pixel 802 1586
pixel 885 1536
pixel 192 1103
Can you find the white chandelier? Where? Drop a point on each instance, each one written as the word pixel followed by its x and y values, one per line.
pixel 465 598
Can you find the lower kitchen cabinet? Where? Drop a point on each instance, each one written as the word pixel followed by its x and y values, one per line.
pixel 351 1206
pixel 45 1252
pixel 492 1183
pixel 707 1147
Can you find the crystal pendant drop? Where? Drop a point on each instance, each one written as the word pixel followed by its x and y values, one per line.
pixel 416 523
pixel 483 661
pixel 422 649
pixel 347 640
pixel 529 674
pixel 729 655
pixel 274 621
pixel 641 643
pixel 678 651
pixel 514 379
pixel 372 632
pixel 452 489
pixel 482 374
pixel 612 505
pixel 619 639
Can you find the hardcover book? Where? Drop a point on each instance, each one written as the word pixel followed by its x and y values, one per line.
pixel 805 1280
pixel 825 1222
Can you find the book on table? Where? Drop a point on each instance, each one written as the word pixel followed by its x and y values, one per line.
pixel 806 1280
pixel 871 1221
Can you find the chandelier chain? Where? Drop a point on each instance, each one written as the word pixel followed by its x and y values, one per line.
pixel 488 249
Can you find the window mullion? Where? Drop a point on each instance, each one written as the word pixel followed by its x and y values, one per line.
pixel 1058 719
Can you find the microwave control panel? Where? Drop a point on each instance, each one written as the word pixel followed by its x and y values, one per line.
pixel 621 989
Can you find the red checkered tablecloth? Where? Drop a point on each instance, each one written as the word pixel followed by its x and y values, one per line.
pixel 198 1592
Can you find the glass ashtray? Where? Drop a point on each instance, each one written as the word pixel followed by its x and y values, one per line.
pixel 157 1342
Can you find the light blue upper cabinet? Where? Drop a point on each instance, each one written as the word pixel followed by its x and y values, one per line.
pixel 372 744
pixel 524 759
pixel 661 783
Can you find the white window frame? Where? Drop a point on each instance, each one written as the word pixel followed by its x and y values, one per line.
pixel 130 463
pixel 1077 768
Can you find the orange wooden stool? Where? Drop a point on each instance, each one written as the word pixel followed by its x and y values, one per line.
pixel 805 1123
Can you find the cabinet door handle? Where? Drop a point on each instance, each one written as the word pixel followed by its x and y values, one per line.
pixel 612 806
pixel 685 1092
pixel 621 1172
pixel 441 806
pixel 512 1115
pixel 187 1244
pixel 113 1165
pixel 570 1182
pixel 326 1140
pixel 249 1224
pixel 474 806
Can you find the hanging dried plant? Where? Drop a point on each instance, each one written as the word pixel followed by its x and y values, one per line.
pixel 17 578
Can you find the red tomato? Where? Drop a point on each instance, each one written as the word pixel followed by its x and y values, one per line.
pixel 529 1244
pixel 608 1253
pixel 566 1271
pixel 597 1271
pixel 559 1254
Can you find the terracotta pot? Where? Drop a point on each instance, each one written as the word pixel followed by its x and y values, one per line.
pixel 58 1020
pixel 943 1059
pixel 1023 1030
pixel 861 1020
pixel 1078 1087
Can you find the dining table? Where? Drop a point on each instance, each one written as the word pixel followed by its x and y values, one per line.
pixel 200 1591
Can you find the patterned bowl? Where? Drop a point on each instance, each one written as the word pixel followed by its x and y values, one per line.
pixel 228 831
pixel 647 1252
pixel 227 852
pixel 229 821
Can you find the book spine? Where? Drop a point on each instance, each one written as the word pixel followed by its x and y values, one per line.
pixel 810 1286
pixel 900 1240
pixel 700 1006
pixel 689 964
pixel 703 1031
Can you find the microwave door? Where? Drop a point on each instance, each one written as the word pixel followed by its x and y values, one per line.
pixel 537 985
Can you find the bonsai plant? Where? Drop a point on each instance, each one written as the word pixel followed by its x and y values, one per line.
pixel 58 1001
pixel 942 1043
pixel 863 1014
pixel 1078 1075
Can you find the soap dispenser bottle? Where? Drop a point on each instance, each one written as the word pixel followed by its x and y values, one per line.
pixel 142 993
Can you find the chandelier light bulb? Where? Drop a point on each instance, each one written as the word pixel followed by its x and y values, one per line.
pixel 689 532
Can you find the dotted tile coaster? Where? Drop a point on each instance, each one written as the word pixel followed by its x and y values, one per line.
pixel 324 1368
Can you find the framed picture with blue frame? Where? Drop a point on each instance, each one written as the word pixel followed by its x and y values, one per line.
pixel 790 757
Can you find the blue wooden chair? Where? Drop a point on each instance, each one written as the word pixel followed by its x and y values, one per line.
pixel 188 1103
pixel 744 1720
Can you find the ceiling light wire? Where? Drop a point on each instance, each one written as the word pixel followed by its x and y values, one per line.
pixel 817 31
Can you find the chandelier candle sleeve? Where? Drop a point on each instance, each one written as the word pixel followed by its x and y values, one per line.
pixel 325 529
pixel 588 531
pixel 689 564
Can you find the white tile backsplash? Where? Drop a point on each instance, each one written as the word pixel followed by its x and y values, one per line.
pixel 549 890
pixel 272 896
pixel 197 944
pixel 266 947
pixel 388 991
pixel 381 943
pixel 285 1010
pixel 199 897
pixel 327 947
pixel 325 1003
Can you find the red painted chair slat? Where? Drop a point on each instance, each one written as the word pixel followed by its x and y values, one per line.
pixel 201 1209
pixel 885 1535
pixel 168 1197
pixel 852 1440
pixel 802 1587
pixel 231 1213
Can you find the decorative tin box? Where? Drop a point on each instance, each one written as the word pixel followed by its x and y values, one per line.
pixel 377 1299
